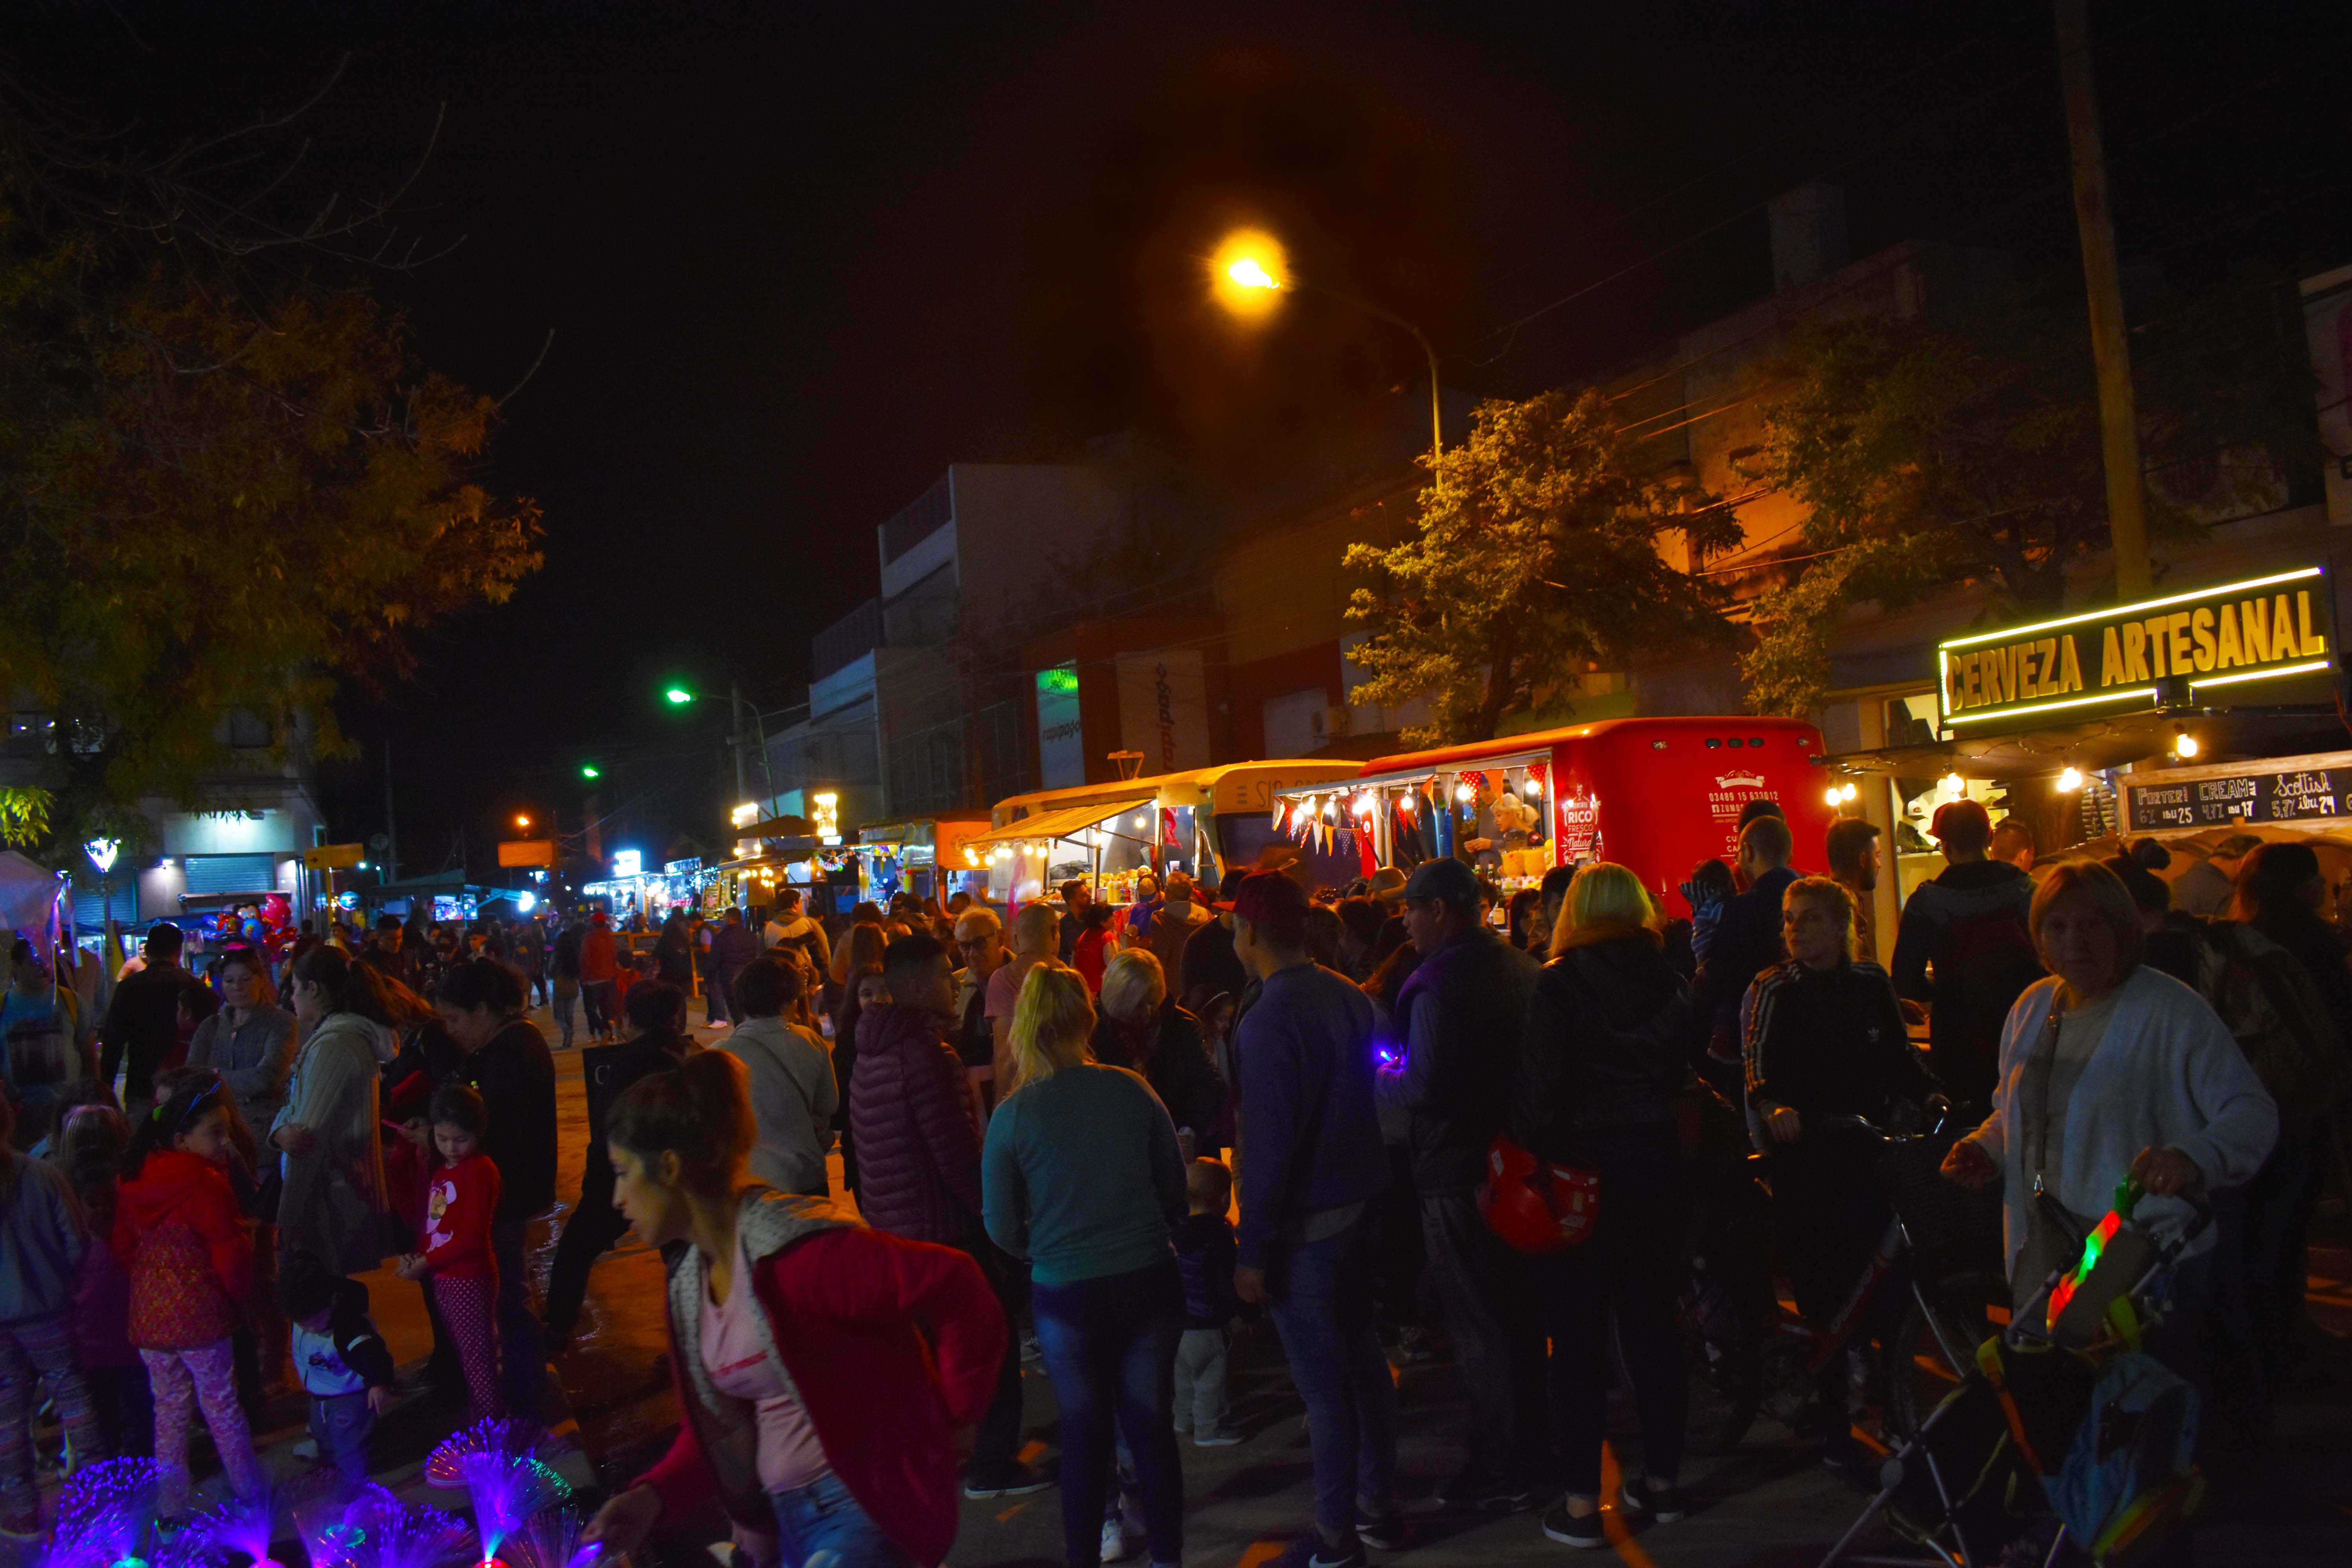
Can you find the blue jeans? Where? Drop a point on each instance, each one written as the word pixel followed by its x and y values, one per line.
pixel 341 1424
pixel 1110 1350
pixel 822 1526
pixel 1321 1298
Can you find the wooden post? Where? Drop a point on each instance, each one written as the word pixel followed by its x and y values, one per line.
pixel 2118 424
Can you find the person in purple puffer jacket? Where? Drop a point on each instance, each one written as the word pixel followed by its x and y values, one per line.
pixel 918 1163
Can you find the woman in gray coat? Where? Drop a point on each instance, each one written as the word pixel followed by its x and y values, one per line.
pixel 794 1095
pixel 249 1042
pixel 328 1133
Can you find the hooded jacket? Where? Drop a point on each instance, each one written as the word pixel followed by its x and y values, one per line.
pixel 910 1116
pixel 335 1195
pixel 46 1240
pixel 178 1232
pixel 793 1099
pixel 1462 1012
pixel 1968 890
pixel 1605 1046
pixel 888 1344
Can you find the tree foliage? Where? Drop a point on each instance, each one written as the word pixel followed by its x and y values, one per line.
pixel 1962 447
pixel 1536 550
pixel 222 486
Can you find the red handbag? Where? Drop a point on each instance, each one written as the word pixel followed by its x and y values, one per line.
pixel 1538 1205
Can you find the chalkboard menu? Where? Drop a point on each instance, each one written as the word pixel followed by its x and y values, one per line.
pixel 2293 789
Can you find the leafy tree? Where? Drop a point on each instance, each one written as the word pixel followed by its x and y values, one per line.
pixel 1537 550
pixel 222 486
pixel 1962 447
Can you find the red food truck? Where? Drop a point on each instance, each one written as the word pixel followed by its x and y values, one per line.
pixel 1655 795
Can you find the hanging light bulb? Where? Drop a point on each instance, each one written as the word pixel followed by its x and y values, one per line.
pixel 1955 784
pixel 1535 788
pixel 1364 804
pixel 2184 744
pixel 1848 793
pixel 2070 779
pixel 1832 795
pixel 1331 808
pixel 1464 793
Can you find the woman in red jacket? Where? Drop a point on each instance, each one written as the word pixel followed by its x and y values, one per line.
pixel 830 1375
pixel 178 1231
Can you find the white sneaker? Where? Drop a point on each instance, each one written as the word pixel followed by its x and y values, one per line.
pixel 305 1448
pixel 1115 1547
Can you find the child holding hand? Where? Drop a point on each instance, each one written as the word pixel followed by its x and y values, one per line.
pixel 178 1231
pixel 461 1196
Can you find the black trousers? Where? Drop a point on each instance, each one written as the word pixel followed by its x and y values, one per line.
pixel 998 1440
pixel 1485 1290
pixel 1829 1215
pixel 592 1230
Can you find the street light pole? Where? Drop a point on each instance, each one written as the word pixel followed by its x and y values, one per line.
pixel 1436 420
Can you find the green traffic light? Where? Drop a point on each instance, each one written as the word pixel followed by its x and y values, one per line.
pixel 591 771
pixel 679 695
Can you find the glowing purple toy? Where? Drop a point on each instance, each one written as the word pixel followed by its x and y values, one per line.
pixel 237 1528
pixel 503 1464
pixel 106 1516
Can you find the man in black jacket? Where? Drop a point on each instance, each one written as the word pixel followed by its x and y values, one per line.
pixel 1463 1011
pixel 1969 926
pixel 1746 941
pixel 142 1023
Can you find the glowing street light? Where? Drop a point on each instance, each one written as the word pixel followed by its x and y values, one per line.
pixel 591 771
pixel 522 820
pixel 679 696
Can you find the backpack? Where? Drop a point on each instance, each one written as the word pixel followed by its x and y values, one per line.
pixel 1982 966
pixel 2271 1008
pixel 2129 1475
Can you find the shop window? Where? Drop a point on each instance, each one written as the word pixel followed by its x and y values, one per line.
pixel 248 731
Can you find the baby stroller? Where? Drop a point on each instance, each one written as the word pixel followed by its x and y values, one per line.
pixel 2061 1413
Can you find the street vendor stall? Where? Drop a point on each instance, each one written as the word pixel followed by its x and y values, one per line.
pixel 1655 795
pixel 1198 822
pixel 923 855
pixel 2191 717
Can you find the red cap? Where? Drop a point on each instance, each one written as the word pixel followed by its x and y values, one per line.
pixel 1953 813
pixel 1267 898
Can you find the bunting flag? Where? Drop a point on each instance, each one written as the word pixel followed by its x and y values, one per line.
pixel 1404 836
pixel 1168 828
pixel 1367 853
pixel 1540 789
pixel 1476 780
pixel 1281 815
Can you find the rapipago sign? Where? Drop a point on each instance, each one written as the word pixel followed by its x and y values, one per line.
pixel 2263 640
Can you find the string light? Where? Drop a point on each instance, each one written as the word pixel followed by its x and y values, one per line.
pixel 2070 779
pixel 1831 796
pixel 1848 793
pixel 2184 744
pixel 1535 788
pixel 1955 784
pixel 1464 793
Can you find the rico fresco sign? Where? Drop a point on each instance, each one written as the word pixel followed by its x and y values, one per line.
pixel 2265 640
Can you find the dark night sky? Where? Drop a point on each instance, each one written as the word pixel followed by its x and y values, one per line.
pixel 796 259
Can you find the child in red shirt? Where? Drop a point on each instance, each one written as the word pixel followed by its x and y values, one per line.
pixel 461 1196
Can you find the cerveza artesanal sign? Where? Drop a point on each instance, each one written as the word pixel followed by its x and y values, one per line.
pixel 2263 640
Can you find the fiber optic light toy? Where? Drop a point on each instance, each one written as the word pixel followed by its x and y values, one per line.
pixel 552 1540
pixel 333 1527
pixel 236 1532
pixel 503 1464
pixel 106 1517
pixel 400 1536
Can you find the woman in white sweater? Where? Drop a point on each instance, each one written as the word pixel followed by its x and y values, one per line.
pixel 2107 1067
pixel 794 1096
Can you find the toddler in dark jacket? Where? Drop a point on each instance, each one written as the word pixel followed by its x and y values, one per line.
pixel 1204 1256
pixel 342 1360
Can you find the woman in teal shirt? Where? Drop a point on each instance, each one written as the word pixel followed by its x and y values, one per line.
pixel 1081 1176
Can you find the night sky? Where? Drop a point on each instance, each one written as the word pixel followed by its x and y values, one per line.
pixel 798 258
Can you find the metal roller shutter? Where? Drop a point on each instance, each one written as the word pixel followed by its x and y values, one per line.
pixel 231 873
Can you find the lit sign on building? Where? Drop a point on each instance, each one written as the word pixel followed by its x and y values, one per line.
pixel 627 863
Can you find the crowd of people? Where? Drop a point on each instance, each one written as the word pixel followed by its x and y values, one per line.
pixel 1045 1128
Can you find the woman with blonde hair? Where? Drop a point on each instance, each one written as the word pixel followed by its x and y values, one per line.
pixel 1602 1055
pixel 1082 1176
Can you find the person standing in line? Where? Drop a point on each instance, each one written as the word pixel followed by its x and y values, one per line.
pixel 828 1372
pixel 1745 942
pixel 529 944
pixel 1315 1164
pixel 1135 927
pixel 1855 865
pixel 789 925
pixel 1462 1014
pixel 2013 844
pixel 1603 1053
pixel 600 977
pixel 918 1165
pixel 1034 932
pixel 867 988
pixel 980 941
pixel 1083 1180
pixel 178 1232
pixel 1209 951
pixel 249 1042
pixel 507 1064
pixel 1140 1026
pixel 142 1023
pixel 794 1098
pixel 653 1039
pixel 461 1196
pixel 563 977
pixel 2207 889
pixel 1077 897
pixel 1825 1037
pixel 1968 927
pixel 329 1132
pixel 1204 1256
pixel 42 1238
pixel 730 950
pixel 1179 917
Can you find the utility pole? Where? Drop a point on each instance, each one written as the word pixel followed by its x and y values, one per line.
pixel 2110 348
pixel 735 709
pixel 391 829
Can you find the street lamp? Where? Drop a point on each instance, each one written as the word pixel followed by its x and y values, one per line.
pixel 591 771
pixel 1249 276
pixel 522 820
pixel 679 696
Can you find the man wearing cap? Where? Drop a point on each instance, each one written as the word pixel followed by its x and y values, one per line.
pixel 1305 1245
pixel 1971 925
pixel 1463 1011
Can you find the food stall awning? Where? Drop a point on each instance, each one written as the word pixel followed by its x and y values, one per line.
pixel 2098 744
pixel 1500 763
pixel 1054 825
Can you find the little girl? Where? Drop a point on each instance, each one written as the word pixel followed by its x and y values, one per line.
pixel 178 1231
pixel 41 1238
pixel 90 1153
pixel 461 1196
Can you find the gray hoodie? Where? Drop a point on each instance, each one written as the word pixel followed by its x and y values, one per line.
pixel 794 1099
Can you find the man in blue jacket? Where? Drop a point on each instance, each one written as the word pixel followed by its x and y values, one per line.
pixel 1305 1244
